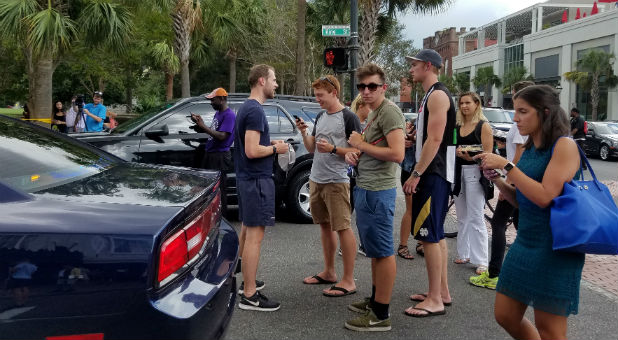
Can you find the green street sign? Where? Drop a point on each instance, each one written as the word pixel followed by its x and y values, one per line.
pixel 335 30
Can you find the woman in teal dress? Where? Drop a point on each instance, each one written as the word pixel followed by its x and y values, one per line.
pixel 533 274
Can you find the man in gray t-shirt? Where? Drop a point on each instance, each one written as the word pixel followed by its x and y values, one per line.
pixel 330 186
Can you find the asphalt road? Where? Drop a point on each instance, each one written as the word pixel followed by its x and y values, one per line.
pixel 292 251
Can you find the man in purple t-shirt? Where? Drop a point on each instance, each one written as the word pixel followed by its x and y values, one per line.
pixel 217 155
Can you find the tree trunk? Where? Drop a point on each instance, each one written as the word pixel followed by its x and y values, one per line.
pixel 169 90
pixel 594 95
pixel 299 88
pixel 232 56
pixel 368 28
pixel 41 91
pixel 182 48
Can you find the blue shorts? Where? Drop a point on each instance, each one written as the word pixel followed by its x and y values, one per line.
pixel 256 202
pixel 375 211
pixel 429 207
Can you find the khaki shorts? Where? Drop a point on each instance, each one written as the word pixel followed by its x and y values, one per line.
pixel 330 203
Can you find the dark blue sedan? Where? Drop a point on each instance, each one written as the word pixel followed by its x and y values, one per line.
pixel 93 247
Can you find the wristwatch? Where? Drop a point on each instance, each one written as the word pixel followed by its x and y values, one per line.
pixel 416 174
pixel 334 150
pixel 508 167
pixel 274 149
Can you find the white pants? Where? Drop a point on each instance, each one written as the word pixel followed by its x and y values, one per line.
pixel 472 240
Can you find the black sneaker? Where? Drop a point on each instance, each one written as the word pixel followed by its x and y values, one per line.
pixel 259 285
pixel 258 302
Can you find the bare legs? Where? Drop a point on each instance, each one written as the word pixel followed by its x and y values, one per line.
pixel 509 314
pixel 251 256
pixel 436 260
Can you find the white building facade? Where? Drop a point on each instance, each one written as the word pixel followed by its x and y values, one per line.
pixel 538 39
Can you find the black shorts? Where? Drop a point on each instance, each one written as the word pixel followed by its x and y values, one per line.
pixel 429 207
pixel 256 202
pixel 219 160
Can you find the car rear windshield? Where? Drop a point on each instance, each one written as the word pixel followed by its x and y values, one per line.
pixel 32 159
pixel 608 129
pixel 137 121
pixel 497 116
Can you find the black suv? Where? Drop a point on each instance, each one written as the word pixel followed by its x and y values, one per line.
pixel 164 136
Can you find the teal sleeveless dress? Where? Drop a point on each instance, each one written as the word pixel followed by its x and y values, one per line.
pixel 532 272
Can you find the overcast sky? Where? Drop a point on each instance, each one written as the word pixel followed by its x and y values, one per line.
pixel 463 13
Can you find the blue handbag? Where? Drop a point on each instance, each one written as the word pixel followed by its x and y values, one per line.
pixel 584 218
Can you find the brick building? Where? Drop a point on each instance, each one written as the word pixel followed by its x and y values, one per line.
pixel 446 43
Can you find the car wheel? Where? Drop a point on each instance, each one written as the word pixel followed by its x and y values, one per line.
pixel 298 197
pixel 604 152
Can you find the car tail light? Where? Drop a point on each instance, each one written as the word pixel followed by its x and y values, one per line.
pixel 184 246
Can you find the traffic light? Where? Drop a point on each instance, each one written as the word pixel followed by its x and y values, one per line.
pixel 336 57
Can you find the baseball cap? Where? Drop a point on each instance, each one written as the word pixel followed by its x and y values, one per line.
pixel 218 92
pixel 428 55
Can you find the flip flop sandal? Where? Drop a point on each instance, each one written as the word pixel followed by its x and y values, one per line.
pixel 428 313
pixel 462 261
pixel 419 249
pixel 425 296
pixel 320 280
pixel 340 289
pixel 404 252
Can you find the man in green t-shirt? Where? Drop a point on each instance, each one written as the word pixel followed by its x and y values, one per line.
pixel 381 149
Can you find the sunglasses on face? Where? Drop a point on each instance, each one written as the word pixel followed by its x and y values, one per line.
pixel 371 86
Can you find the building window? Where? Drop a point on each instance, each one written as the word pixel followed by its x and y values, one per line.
pixel 513 57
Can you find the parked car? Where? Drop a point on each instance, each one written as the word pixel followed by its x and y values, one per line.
pixel 108 249
pixel 165 136
pixel 500 122
pixel 602 140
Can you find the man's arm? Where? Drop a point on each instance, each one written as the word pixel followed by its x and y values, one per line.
pixel 93 116
pixel 253 149
pixel 308 139
pixel 438 105
pixel 393 152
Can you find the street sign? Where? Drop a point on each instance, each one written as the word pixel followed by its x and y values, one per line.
pixel 335 30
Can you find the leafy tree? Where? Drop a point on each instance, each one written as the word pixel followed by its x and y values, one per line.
pixel 514 75
pixel 594 69
pixel 46 30
pixel 462 80
pixel 486 79
pixel 449 82
pixel 165 58
pixel 370 11
pixel 299 87
pixel 394 48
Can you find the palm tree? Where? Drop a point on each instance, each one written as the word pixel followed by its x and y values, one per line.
pixel 370 14
pixel 485 78
pixel 186 18
pixel 46 31
pixel 299 88
pixel 165 58
pixel 462 80
pixel 234 26
pixel 593 69
pixel 514 75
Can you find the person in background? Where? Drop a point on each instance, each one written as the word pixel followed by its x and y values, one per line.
pixel 74 122
pixel 110 121
pixel 58 119
pixel 361 109
pixel 20 279
pixel 95 113
pixel 406 170
pixel 216 151
pixel 472 129
pixel 504 209
pixel 533 274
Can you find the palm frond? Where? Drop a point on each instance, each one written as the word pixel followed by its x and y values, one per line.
pixel 164 56
pixel 50 32
pixel 418 6
pixel 106 23
pixel 13 14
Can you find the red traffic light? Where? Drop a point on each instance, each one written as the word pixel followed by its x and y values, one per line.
pixel 335 57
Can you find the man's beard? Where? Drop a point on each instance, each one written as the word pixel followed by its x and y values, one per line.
pixel 217 107
pixel 270 94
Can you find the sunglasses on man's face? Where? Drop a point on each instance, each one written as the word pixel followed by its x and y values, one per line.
pixel 371 86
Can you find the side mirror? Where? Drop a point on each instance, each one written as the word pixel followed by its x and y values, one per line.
pixel 157 131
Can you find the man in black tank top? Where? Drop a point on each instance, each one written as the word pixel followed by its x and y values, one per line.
pixel 430 182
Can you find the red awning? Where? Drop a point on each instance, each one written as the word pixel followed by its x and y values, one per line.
pixel 565 16
pixel 608 1
pixel 578 15
pixel 595 9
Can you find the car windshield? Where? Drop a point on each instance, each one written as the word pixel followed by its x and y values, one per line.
pixel 607 129
pixel 34 159
pixel 497 116
pixel 139 120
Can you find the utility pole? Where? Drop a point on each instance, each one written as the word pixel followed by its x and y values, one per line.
pixel 353 46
